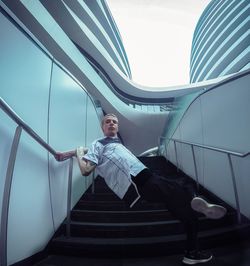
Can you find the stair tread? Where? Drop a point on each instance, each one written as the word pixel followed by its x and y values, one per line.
pixel 121 211
pixel 169 220
pixel 102 220
pixel 147 239
pixel 119 241
pixel 130 224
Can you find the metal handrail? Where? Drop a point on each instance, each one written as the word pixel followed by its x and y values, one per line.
pixel 212 148
pixel 9 174
pixel 227 152
pixel 8 110
pixel 149 152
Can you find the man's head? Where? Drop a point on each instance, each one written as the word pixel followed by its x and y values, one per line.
pixel 110 125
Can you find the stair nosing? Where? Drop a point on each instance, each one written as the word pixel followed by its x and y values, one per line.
pixel 172 221
pixel 148 240
pixel 113 211
pixel 108 241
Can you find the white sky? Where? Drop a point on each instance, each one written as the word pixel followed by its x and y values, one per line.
pixel 157 36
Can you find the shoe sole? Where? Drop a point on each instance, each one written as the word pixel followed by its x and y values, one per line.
pixel 192 261
pixel 211 211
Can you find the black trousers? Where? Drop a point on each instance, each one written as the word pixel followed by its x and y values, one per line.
pixel 155 188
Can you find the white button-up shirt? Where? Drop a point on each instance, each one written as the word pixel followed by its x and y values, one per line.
pixel 115 163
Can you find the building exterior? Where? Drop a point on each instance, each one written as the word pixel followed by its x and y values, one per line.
pixel 221 40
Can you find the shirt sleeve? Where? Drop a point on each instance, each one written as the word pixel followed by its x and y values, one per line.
pixel 93 153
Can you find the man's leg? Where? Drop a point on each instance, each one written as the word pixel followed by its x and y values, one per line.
pixel 180 206
pixel 177 200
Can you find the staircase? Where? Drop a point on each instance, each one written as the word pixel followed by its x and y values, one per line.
pixel 102 225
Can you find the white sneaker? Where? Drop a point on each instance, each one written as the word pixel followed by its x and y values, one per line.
pixel 211 211
pixel 195 257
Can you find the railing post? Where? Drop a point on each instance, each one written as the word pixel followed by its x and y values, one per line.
pixel 159 145
pixel 165 147
pixel 235 189
pixel 69 197
pixel 195 169
pixel 93 183
pixel 6 197
pixel 176 157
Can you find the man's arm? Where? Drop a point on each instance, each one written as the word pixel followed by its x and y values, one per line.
pixel 86 166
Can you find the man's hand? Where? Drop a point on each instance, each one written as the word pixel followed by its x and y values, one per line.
pixel 86 166
pixel 62 156
pixel 80 151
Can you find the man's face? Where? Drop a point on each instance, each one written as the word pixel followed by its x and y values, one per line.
pixel 110 126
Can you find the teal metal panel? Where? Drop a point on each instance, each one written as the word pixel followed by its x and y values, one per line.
pixel 25 78
pixel 66 131
pixel 93 127
pixel 25 72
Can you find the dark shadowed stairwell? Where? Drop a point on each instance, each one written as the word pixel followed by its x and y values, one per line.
pixel 105 231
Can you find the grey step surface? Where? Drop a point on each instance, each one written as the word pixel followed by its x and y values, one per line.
pixel 103 224
pixel 136 247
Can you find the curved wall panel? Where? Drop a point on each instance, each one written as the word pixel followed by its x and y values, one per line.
pixel 54 106
pixel 25 77
pixel 30 216
pixel 67 114
pixel 218 118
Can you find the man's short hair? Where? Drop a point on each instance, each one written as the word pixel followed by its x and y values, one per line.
pixel 108 115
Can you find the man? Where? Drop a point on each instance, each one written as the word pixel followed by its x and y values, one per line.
pixel 131 180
